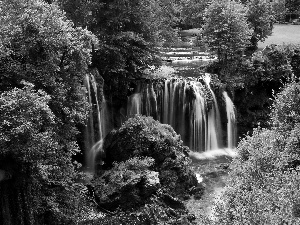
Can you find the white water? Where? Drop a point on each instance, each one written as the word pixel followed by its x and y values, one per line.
pixel 231 122
pixel 95 129
pixel 182 103
pixel 214 120
pixel 199 134
pixel 212 154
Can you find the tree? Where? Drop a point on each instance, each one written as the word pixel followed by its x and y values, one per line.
pixel 279 11
pixel 226 30
pixel 260 18
pixel 292 7
pixel 43 62
pixel 39 45
pixel 150 19
pixel 128 32
pixel 192 13
pixel 264 179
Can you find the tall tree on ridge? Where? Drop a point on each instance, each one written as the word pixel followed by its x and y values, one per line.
pixel 260 18
pixel 226 30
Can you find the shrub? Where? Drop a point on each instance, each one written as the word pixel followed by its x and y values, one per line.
pixel 142 136
pixel 264 180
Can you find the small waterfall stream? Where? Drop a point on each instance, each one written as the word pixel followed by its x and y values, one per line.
pixel 95 131
pixel 214 120
pixel 231 122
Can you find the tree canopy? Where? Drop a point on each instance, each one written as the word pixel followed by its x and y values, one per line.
pixel 128 32
pixel 261 18
pixel 192 13
pixel 266 173
pixel 43 62
pixel 226 30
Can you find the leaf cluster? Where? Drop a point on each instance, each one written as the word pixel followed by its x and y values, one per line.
pixel 265 177
pixel 226 30
pixel 43 62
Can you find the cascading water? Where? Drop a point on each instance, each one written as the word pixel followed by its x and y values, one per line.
pixel 95 130
pixel 214 120
pixel 135 106
pixel 231 122
pixel 183 104
pixel 188 105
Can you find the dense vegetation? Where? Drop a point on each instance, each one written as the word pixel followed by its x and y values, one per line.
pixel 264 182
pixel 146 173
pixel 43 59
pixel 47 48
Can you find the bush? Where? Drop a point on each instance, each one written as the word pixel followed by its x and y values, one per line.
pixel 142 136
pixel 128 185
pixel 264 179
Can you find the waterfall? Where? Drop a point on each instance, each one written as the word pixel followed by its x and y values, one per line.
pixel 188 105
pixel 199 137
pixel 134 104
pixel 214 120
pixel 231 122
pixel 95 129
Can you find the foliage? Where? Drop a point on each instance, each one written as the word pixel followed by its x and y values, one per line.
pixel 264 182
pixel 142 136
pixel 128 32
pixel 43 61
pixel 148 18
pixel 126 185
pixel 292 6
pixel 271 64
pixel 279 11
pixel 26 123
pixel 133 191
pixel 285 112
pixel 254 80
pixel 39 162
pixel 192 13
pixel 226 30
pixel 260 18
pixel 43 48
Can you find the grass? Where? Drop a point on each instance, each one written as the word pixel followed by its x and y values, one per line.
pixel 282 34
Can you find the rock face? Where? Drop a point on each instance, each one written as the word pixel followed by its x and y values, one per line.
pixel 146 173
pixel 142 136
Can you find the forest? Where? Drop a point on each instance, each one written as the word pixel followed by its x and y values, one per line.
pixel 97 127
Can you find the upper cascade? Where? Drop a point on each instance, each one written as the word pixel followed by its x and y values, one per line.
pixel 189 106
